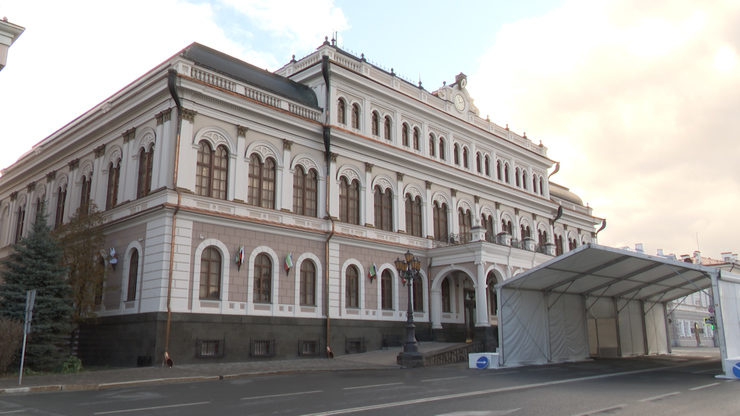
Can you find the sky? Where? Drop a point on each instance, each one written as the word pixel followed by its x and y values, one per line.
pixel 638 101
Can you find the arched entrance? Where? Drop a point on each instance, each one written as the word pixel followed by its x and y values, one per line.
pixel 453 301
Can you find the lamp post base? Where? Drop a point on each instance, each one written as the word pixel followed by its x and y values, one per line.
pixel 410 359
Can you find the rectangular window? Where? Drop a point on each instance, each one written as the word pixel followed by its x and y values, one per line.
pixel 263 348
pixel 209 348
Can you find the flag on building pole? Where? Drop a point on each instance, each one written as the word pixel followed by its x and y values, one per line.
pixel 372 271
pixel 288 262
pixel 239 258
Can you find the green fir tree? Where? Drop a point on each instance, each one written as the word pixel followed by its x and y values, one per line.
pixel 36 263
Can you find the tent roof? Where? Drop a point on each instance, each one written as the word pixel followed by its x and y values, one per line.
pixel 600 271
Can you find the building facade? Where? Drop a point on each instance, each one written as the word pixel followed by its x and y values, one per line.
pixel 254 214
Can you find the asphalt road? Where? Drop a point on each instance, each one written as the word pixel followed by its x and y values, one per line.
pixel 603 387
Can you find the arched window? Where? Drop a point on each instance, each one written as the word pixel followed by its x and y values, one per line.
pixel 506 226
pixel 542 190
pixel 456 154
pixel 85 194
pixel 417 133
pixel 262 290
pixel 61 199
pixel 210 274
pixel 440 221
pixel 446 298
pixel 486 221
pixel 558 245
pixel 541 237
pixel 305 188
pixel 387 128
pixel 418 290
pixel 133 274
pixel 413 215
pixel 405 134
pixel 524 179
pixel 114 175
pixel 498 169
pixel 19 220
pixel 516 177
pixel 261 182
pixel 146 161
pixel 341 111
pixel 383 209
pixel 432 145
pixel 375 123
pixel 349 201
pixel 355 116
pixel 492 297
pixel 464 222
pixel 478 162
pixel 534 183
pixel 487 165
pixel 466 162
pixel 308 283
pixel 572 244
pixel 506 173
pixel 352 287
pixel 526 231
pixel 442 148
pixel 386 289
pixel 211 171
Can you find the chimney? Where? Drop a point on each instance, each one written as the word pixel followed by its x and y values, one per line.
pixel 639 248
pixel 697 257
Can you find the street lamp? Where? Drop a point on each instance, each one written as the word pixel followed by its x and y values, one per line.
pixel 408 268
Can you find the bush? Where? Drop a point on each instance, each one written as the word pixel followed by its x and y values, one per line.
pixel 71 365
pixel 10 342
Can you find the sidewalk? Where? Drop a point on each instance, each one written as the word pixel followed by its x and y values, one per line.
pixel 110 378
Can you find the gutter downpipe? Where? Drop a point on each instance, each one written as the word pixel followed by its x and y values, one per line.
pixel 171 80
pixel 327 157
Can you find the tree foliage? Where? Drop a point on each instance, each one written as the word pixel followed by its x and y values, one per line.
pixel 83 255
pixel 35 263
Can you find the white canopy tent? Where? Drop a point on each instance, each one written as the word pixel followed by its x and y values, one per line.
pixel 602 301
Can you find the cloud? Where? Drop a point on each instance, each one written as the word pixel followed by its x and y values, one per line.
pixel 639 103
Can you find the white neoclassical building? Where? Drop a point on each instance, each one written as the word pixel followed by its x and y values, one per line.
pixel 258 214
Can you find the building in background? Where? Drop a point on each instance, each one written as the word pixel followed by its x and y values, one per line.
pixel 256 214
pixel 687 316
pixel 9 32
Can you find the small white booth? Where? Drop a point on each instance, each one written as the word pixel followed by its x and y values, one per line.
pixel 607 302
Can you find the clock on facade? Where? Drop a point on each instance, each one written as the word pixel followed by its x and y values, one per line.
pixel 459 102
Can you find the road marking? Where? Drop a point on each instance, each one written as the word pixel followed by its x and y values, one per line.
pixel 481 413
pixel 481 392
pixel 429 380
pixel 704 386
pixel 370 386
pixel 704 371
pixel 602 411
pixel 662 396
pixel 268 396
pixel 9 412
pixel 167 406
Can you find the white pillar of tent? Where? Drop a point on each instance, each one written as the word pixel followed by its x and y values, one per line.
pixel 717 300
pixel 481 305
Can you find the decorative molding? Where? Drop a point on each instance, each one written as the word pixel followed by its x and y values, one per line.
pixel 100 150
pixel 14 195
pixel 188 115
pixel 129 134
pixel 399 176
pixel 383 182
pixel 368 167
pixel 163 116
pixel 516 211
pixel 453 193
pixel 31 186
pixel 476 199
pixel 241 131
pixel 51 176
pixel 350 174
pixel 307 164
pixel 428 184
pixel 287 144
pixel 333 157
pixel 73 164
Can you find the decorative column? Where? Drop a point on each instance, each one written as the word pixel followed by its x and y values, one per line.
pixel 399 215
pixel 334 186
pixel 240 168
pixel 452 214
pixel 129 165
pixel 73 194
pixel 369 205
pixel 428 213
pixel 287 193
pixel 98 186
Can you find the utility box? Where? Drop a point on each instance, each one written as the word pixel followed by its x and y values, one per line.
pixel 483 360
